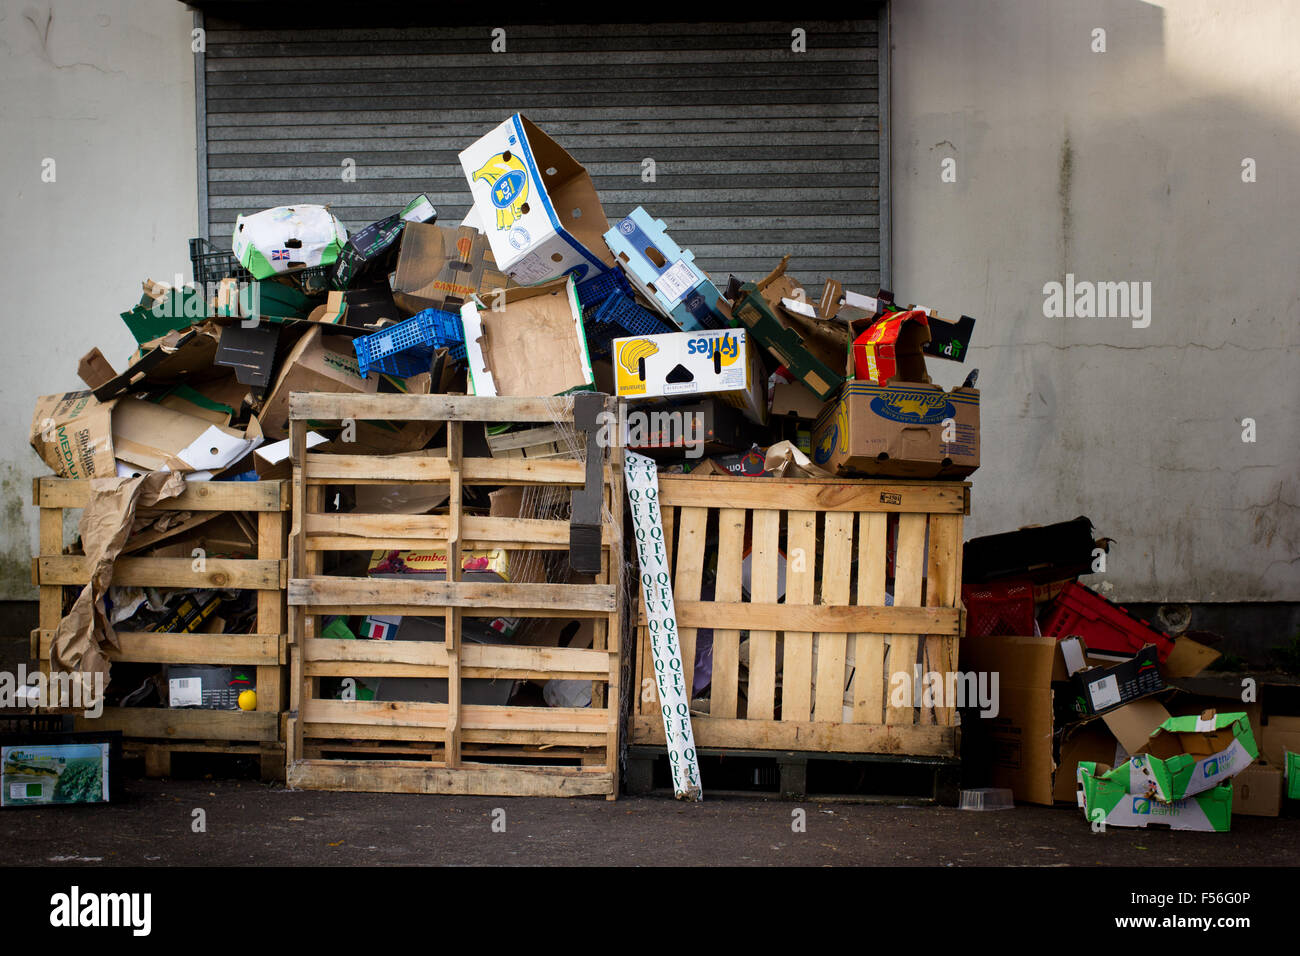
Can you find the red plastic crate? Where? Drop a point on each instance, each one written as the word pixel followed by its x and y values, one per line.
pixel 1102 625
pixel 999 607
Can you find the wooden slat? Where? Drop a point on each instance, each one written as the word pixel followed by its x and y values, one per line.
pixel 329 532
pixel 692 523
pixel 814 736
pixel 807 494
pixel 156 648
pixel 573 720
pixel 943 589
pixel 197 496
pixel 336 406
pixel 870 683
pixel 185 724
pixel 785 617
pixel 375 776
pixel 837 558
pixel 528 600
pixel 800 577
pixel 909 563
pixel 764 556
pixel 452 616
pixel 727 589
pixel 362 469
pixel 220 573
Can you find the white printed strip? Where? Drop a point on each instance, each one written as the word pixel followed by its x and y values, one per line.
pixel 661 625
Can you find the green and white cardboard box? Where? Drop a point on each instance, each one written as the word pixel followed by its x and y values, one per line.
pixel 1214 748
pixel 1107 797
pixel 277 240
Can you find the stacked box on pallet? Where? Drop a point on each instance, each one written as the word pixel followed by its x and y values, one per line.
pixel 404 665
pixel 831 602
pixel 158 732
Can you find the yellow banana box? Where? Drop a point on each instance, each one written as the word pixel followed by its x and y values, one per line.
pixel 537 205
pixel 721 362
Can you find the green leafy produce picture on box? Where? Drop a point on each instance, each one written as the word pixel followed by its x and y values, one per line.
pixel 57 774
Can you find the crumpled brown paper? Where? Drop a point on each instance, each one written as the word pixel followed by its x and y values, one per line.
pixel 105 525
pixel 785 460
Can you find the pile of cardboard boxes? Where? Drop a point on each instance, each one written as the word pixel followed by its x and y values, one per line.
pixel 1096 706
pixel 535 293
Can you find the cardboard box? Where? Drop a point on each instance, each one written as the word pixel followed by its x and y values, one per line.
pixel 718 362
pixel 1106 795
pixel 208 688
pixel 1100 689
pixel 710 427
pixel 820 366
pixel 1176 757
pixel 666 274
pixel 73 434
pixel 44 774
pixel 890 350
pixel 1022 744
pixel 286 238
pixel 483 566
pixel 899 431
pixel 150 437
pixel 1257 791
pixel 534 346
pixel 1281 734
pixel 369 252
pixel 317 363
pixel 537 205
pixel 442 268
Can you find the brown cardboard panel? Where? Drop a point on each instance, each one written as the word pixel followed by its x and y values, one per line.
pixel 532 347
pixel 439 267
pixel 1134 723
pixel 1281 734
pixel 1086 742
pixel 94 369
pixel 1257 791
pixel 73 433
pixel 1020 736
pixel 1185 703
pixel 315 364
pixel 1187 659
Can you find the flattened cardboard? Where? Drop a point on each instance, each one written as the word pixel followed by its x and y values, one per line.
pixel 537 205
pixel 821 367
pixel 534 346
pixel 719 362
pixel 153 438
pixel 1188 658
pixel 186 356
pixel 442 268
pixel 73 434
pixel 898 431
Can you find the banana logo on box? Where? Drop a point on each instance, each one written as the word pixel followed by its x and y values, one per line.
pixel 506 174
pixel 835 438
pixel 630 354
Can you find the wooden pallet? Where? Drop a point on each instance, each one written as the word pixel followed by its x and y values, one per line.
pixel 452 746
pixel 161 731
pixel 820 661
pixel 785 773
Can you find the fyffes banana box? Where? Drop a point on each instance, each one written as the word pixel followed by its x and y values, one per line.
pixel 537 205
pixel 719 362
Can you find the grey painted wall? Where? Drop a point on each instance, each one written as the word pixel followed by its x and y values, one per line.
pixel 1122 165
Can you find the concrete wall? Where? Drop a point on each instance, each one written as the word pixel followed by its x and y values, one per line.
pixel 106 90
pixel 1122 165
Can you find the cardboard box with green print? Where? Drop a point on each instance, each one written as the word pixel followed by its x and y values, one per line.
pixel 1106 797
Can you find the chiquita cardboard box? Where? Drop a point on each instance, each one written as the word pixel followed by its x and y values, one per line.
pixel 537 205
pixel 718 362
pixel 902 431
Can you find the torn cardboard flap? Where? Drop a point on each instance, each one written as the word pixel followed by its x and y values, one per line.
pixel 442 268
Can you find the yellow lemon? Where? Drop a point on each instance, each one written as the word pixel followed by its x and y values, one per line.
pixel 248 700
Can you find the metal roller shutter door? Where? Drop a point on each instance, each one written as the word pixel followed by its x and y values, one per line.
pixel 758 150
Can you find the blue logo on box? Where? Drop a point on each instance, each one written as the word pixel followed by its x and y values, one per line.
pixel 1142 806
pixel 1211 767
pixel 507 189
pixel 913 408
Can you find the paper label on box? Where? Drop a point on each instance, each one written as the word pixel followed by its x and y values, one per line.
pixel 185 692
pixel 531 269
pixel 677 280
pixel 1104 693
pixel 26 791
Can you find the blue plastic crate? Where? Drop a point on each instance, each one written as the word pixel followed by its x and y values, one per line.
pixel 619 317
pixel 406 349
